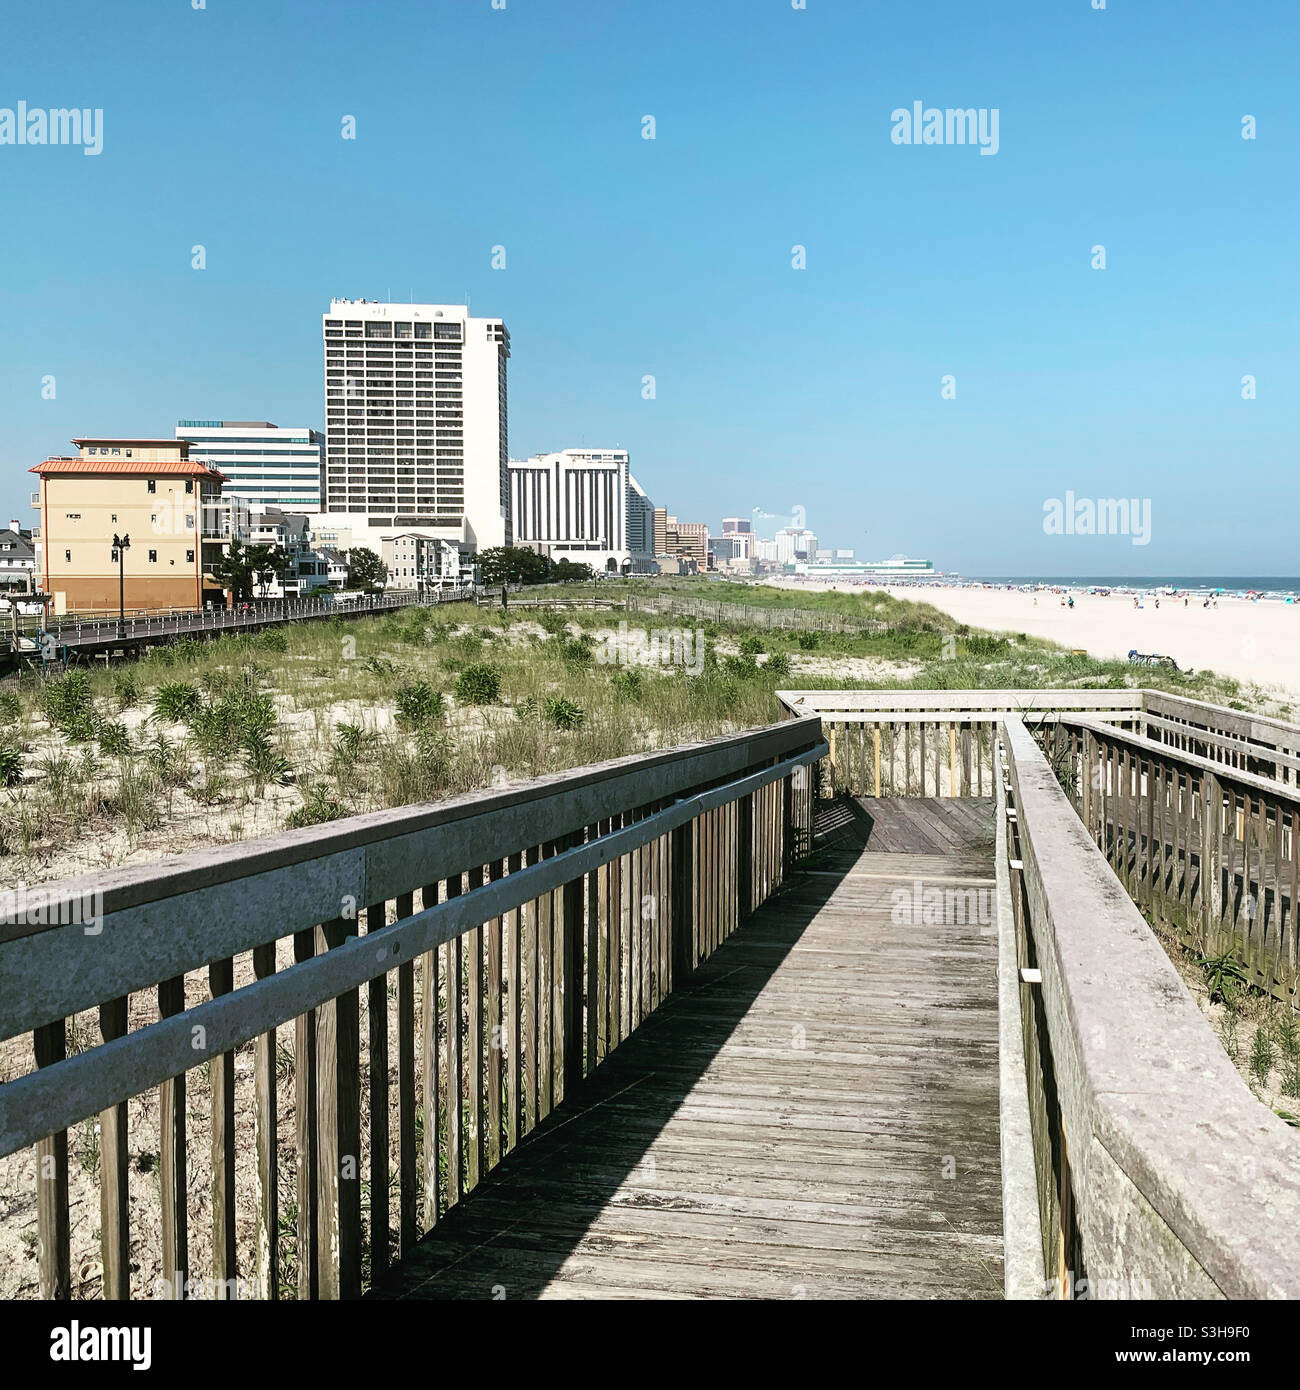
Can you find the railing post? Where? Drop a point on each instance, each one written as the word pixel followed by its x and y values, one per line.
pixel 338 1119
pixel 574 924
pixel 683 903
pixel 745 856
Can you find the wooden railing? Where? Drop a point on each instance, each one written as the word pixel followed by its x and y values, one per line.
pixel 1159 1174
pixel 1247 742
pixel 505 943
pixel 1209 851
pixel 933 742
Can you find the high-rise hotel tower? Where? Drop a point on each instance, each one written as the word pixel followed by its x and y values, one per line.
pixel 415 420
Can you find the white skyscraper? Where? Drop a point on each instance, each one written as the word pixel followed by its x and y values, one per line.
pixel 415 419
pixel 575 505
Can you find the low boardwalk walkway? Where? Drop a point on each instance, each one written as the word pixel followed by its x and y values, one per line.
pixel 815 1115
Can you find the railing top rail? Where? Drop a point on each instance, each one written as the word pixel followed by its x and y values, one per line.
pixel 239 896
pixel 831 702
pixel 1243 723
pixel 1146 1087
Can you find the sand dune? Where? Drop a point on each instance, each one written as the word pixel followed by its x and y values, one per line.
pixel 1255 642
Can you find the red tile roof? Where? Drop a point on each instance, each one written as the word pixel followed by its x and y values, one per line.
pixel 156 468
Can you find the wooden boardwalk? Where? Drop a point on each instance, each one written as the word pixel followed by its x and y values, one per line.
pixel 814 1115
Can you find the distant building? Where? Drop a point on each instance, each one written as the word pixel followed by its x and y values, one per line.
pixel 738 524
pixel 268 465
pixel 168 504
pixel 416 421
pixel 17 559
pixel 573 505
pixel 899 567
pixel 422 562
pixel 682 540
pixel 640 519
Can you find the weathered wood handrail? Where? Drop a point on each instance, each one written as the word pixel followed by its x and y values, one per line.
pixel 1160 1174
pixel 553 917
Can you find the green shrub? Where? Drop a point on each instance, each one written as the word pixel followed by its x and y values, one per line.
pixel 352 742
pixel 750 645
pixel 187 649
pixel 114 740
pixel 11 707
pixel 629 684
pixel 479 684
pixel 272 639
pixel 418 703
pixel 318 808
pixel 66 698
pixel 126 688
pixel 527 710
pixel 379 666
pixel 576 651
pixel 808 639
pixel 11 765
pixel 778 664
pixel 743 666
pixel 563 714
pixel 176 701
pixel 551 621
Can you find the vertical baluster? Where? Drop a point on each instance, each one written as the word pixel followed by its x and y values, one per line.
pixel 406 1138
pixel 514 1003
pixel 50 1043
pixel 454 1083
pixel 338 1126
pixel 172 1158
pixel 266 1239
pixel 474 1045
pixel 495 1036
pixel 114 1203
pixel 305 1131
pixel 221 980
pixel 377 1025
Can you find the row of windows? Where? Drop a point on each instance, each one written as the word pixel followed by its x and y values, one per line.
pixel 153 556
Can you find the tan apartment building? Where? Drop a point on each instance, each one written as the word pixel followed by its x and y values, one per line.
pixel 684 540
pixel 147 489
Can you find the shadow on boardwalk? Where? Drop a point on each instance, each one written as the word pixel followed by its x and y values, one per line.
pixel 813 1114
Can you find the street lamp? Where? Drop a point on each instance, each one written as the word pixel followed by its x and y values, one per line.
pixel 121 544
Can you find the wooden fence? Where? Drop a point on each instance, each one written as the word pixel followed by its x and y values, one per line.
pixel 448 974
pixel 1207 849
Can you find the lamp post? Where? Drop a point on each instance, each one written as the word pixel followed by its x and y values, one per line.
pixel 121 544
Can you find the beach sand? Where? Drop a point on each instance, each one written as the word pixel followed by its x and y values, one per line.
pixel 1257 643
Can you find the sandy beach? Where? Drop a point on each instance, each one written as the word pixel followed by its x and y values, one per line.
pixel 1255 642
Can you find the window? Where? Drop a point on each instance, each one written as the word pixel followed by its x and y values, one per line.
pixel 113 555
pixel 153 557
pixel 189 521
pixel 67 555
pixel 128 453
pixel 115 451
pixel 115 516
pixel 189 557
pixel 189 485
pixel 153 485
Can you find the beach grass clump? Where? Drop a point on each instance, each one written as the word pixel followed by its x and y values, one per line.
pixel 478 684
pixel 418 703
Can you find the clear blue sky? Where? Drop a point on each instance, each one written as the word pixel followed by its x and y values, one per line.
pixel 776 388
